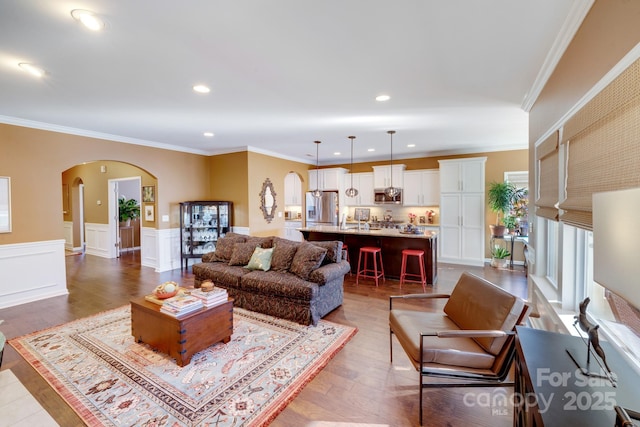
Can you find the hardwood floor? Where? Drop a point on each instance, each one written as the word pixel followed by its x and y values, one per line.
pixel 358 386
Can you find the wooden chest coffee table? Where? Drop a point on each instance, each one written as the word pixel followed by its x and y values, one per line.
pixel 181 338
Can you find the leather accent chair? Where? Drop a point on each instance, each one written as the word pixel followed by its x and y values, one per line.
pixel 470 343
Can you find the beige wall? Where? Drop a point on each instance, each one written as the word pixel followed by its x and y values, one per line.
pixel 607 34
pixel 35 160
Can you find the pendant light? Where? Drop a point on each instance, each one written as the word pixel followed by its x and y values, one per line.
pixel 351 192
pixel 391 191
pixel 317 193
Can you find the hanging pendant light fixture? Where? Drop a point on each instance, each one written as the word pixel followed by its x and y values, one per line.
pixel 317 193
pixel 351 192
pixel 391 191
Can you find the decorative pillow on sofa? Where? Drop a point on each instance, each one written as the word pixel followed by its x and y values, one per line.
pixel 242 253
pixel 283 253
pixel 224 246
pixel 308 257
pixel 334 250
pixel 261 259
pixel 263 242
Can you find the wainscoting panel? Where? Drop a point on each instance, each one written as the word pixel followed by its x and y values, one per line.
pixel 168 249
pixel 149 247
pixel 67 228
pixel 97 238
pixel 32 271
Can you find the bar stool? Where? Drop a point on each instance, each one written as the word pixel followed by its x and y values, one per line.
pixel 403 271
pixel 366 272
pixel 345 252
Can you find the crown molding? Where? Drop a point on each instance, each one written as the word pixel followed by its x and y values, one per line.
pixel 578 12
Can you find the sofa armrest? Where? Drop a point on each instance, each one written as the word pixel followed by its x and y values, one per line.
pixel 329 272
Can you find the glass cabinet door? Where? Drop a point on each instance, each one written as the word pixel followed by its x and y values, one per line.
pixel 202 224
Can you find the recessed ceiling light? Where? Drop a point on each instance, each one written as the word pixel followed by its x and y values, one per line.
pixel 411 145
pixel 88 19
pixel 336 153
pixel 31 69
pixel 371 149
pixel 201 89
pixel 382 98
pixel 208 134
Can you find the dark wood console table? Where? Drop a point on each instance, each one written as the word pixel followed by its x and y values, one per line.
pixel 555 393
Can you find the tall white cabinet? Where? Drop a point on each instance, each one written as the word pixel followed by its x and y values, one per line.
pixel 462 208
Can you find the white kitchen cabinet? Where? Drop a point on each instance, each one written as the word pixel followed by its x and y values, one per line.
pixel 462 209
pixel 291 232
pixel 421 188
pixel 363 182
pixel 383 176
pixel 326 179
pixel 292 190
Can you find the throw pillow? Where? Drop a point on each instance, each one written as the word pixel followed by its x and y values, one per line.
pixel 242 253
pixel 283 254
pixel 334 250
pixel 224 246
pixel 263 242
pixel 308 257
pixel 261 259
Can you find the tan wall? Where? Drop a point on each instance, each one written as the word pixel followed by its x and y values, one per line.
pixel 607 34
pixel 238 177
pixel 35 160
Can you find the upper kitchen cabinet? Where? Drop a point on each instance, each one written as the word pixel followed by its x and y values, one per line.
pixel 326 179
pixel 457 176
pixel 421 188
pixel 382 176
pixel 292 189
pixel 363 182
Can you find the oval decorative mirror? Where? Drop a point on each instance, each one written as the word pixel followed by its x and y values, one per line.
pixel 268 200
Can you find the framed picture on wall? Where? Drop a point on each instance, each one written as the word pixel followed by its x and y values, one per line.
pixel 149 213
pixel 148 193
pixel 5 204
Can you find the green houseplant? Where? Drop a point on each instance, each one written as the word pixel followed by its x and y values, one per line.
pixel 502 196
pixel 128 209
pixel 499 256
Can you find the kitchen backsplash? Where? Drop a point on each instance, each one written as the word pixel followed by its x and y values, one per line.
pixel 399 213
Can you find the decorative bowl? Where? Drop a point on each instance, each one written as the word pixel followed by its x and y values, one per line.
pixel 166 290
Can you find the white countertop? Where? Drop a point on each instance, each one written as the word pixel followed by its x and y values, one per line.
pixel 388 232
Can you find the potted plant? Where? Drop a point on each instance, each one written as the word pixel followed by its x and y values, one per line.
pixel 499 257
pixel 510 223
pixel 501 198
pixel 128 209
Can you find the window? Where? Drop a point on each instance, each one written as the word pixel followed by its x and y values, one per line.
pixel 551 270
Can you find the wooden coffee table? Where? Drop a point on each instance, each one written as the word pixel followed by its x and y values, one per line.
pixel 181 338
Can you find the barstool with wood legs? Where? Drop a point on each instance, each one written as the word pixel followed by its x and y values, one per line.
pixel 366 272
pixel 403 271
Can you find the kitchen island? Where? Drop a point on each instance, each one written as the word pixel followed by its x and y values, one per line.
pixel 391 241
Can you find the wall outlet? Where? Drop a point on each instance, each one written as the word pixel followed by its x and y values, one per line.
pixel 165 218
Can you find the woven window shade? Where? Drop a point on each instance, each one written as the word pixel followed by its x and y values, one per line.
pixel 603 147
pixel 547 157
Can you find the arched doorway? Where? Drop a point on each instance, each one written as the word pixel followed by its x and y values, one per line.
pixel 90 206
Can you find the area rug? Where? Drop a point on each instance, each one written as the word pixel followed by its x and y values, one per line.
pixel 109 379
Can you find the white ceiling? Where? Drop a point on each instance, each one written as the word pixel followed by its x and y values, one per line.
pixel 284 73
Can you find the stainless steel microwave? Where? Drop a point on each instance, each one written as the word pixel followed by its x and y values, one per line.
pixel 379 197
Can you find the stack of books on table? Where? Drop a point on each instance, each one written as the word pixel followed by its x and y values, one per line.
pixel 181 305
pixel 211 298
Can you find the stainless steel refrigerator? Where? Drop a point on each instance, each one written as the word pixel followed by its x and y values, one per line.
pixel 323 210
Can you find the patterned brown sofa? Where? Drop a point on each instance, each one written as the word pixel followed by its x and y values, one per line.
pixel 303 283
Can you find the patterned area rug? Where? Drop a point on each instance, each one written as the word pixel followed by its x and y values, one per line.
pixel 109 379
